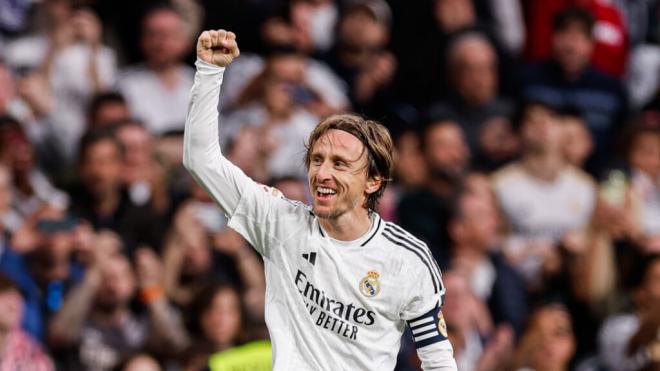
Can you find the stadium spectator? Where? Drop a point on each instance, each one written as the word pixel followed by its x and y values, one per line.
pixel 568 80
pixel 32 190
pixel 51 62
pixel 643 154
pixel 473 229
pixel 107 108
pixel 216 323
pixel 157 91
pixel 18 350
pixel 101 197
pixel 611 41
pixel 306 24
pixel 272 111
pixel 422 77
pixel 479 345
pixel 96 328
pixel 474 102
pixel 201 249
pixel 424 211
pixel 543 199
pixel 578 143
pixel 360 56
pixel 143 175
pixel 410 166
pixel 616 335
pixel 40 259
pixel 548 342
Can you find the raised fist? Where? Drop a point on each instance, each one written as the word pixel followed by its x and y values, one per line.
pixel 217 47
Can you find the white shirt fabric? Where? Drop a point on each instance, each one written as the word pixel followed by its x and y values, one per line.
pixel 647 191
pixel 613 339
pixel 330 305
pixel 542 212
pixel 536 209
pixel 72 87
pixel 160 108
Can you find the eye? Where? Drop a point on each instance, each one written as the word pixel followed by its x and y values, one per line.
pixel 316 160
pixel 340 163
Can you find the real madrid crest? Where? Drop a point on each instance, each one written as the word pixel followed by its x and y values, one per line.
pixel 442 325
pixel 369 285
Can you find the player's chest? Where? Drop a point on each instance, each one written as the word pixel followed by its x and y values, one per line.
pixel 360 284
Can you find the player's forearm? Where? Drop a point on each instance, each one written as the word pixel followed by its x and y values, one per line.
pixel 202 155
pixel 437 357
pixel 201 129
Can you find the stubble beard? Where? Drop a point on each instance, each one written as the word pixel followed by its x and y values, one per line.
pixel 337 212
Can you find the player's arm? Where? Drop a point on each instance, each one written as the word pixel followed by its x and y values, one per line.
pixel 423 314
pixel 202 155
pixel 255 211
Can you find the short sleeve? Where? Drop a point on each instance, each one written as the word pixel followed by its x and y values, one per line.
pixel 423 310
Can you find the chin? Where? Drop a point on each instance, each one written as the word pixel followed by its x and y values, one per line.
pixel 327 213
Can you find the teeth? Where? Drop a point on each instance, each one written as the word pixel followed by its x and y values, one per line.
pixel 325 191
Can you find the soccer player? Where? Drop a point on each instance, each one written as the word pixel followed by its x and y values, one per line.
pixel 341 282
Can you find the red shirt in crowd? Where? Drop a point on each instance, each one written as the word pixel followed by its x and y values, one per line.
pixel 610 33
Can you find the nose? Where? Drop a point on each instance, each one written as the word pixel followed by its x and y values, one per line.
pixel 323 171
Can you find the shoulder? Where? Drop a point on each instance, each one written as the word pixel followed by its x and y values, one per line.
pixel 409 248
pixel 508 174
pixel 134 75
pixel 580 178
pixel 619 326
pixel 187 72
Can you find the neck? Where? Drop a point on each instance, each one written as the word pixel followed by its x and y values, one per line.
pixel 168 74
pixel 108 204
pixel 544 165
pixel 112 318
pixel 469 254
pixel 349 226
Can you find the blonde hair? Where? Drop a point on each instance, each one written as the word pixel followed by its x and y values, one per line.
pixel 376 140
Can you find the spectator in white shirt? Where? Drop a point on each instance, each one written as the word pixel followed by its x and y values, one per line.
pixel 543 198
pixel 158 90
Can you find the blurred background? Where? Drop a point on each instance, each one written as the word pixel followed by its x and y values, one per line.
pixel 527 157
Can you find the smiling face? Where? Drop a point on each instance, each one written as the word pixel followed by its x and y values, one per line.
pixel 338 175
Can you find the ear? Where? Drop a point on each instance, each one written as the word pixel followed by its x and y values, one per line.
pixel 373 185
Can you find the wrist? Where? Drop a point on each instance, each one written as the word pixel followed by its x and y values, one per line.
pixel 151 293
pixel 207 68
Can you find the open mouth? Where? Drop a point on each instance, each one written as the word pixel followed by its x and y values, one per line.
pixel 324 193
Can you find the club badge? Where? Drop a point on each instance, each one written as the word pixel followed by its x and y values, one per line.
pixel 369 285
pixel 442 325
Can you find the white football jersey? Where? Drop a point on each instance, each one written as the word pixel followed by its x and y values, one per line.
pixel 330 305
pixel 544 210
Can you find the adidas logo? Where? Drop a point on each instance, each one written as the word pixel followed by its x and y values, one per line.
pixel 311 257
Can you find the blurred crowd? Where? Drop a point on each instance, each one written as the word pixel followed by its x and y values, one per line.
pixel 527 158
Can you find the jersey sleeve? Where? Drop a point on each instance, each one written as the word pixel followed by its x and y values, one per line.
pixel 423 309
pixel 423 314
pixel 257 212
